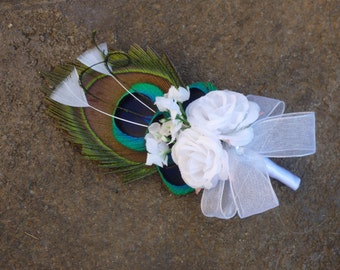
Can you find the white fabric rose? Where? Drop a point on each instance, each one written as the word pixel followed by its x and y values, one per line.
pixel 226 113
pixel 201 158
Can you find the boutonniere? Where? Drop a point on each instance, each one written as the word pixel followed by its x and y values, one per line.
pixel 131 112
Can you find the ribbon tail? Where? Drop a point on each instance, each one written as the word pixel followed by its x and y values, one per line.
pixel 218 201
pixel 250 184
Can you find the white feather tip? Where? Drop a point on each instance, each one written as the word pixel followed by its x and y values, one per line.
pixel 94 59
pixel 69 92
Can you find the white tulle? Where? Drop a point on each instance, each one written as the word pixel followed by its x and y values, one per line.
pixel 248 191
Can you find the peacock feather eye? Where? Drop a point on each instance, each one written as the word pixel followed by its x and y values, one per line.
pixel 123 85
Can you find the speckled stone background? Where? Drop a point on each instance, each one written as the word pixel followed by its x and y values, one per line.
pixel 60 211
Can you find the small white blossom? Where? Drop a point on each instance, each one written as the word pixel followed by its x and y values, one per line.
pixel 166 131
pixel 155 130
pixel 168 104
pixel 157 151
pixel 172 128
pixel 180 95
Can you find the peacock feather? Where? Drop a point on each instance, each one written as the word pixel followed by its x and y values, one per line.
pixel 123 85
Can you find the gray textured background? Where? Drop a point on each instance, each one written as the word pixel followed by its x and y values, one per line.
pixel 59 211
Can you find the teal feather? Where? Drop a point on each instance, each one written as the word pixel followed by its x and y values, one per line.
pixel 112 143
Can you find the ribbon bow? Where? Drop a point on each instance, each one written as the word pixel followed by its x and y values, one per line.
pixel 248 191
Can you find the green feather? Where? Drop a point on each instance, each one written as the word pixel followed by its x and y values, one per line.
pixel 108 141
pixel 74 120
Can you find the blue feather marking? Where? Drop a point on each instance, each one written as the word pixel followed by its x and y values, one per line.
pixel 170 174
pixel 129 135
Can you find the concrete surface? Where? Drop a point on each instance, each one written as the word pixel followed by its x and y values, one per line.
pixel 59 211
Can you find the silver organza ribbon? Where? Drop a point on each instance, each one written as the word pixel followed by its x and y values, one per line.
pixel 248 191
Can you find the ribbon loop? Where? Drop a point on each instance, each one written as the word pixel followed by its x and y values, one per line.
pixel 218 201
pixel 287 135
pixel 269 106
pixel 248 191
pixel 250 184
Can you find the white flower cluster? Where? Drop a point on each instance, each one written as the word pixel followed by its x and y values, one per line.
pixel 216 122
pixel 162 134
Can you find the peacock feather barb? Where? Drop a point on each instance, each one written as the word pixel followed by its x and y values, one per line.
pixel 123 85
